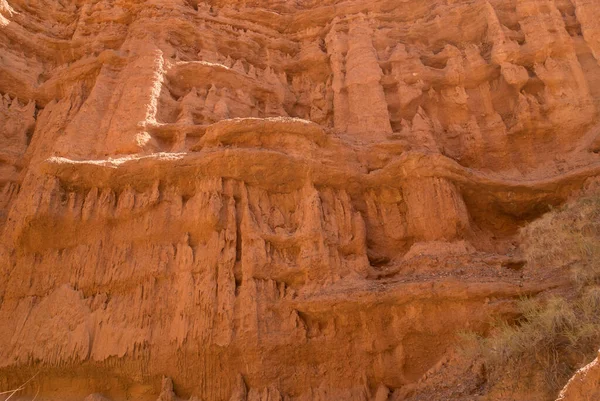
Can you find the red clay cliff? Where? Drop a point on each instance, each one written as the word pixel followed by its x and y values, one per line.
pixel 276 200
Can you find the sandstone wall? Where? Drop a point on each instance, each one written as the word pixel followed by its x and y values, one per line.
pixel 269 200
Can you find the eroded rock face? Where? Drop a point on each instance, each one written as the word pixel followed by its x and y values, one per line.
pixel 268 200
pixel 584 385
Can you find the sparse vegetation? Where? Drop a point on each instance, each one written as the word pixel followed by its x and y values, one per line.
pixel 10 393
pixel 553 337
pixel 567 238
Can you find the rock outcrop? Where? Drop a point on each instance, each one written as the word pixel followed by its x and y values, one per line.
pixel 584 385
pixel 269 200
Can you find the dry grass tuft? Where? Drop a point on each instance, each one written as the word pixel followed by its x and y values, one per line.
pixel 11 393
pixel 554 337
pixel 567 238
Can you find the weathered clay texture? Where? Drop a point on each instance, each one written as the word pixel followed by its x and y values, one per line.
pixel 268 200
pixel 584 385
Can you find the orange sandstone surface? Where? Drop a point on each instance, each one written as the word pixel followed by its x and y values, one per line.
pixel 274 200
